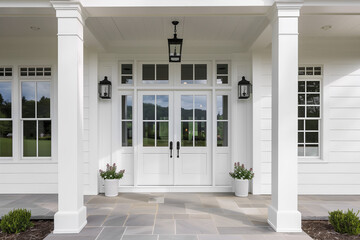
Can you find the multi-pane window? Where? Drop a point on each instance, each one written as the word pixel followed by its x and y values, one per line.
pixel 126 74
pixel 126 120
pixel 309 117
pixel 155 73
pixel 222 117
pixel 193 73
pixel 36 118
pixel 6 133
pixel 155 120
pixel 5 72
pixel 222 73
pixel 193 120
pixel 35 71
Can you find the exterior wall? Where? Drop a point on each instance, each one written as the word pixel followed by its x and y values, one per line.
pixel 18 175
pixel 110 150
pixel 337 171
pixel 40 176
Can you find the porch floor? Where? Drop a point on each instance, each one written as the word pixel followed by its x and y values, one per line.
pixel 177 216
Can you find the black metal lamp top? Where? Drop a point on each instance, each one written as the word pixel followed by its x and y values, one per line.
pixel 175 46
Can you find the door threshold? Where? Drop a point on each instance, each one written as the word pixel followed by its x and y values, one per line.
pixel 143 189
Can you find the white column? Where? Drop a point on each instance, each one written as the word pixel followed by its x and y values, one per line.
pixel 71 215
pixel 283 215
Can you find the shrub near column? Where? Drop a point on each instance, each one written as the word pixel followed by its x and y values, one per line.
pixel 111 178
pixel 241 176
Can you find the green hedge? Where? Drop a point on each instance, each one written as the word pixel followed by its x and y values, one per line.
pixel 17 220
pixel 348 222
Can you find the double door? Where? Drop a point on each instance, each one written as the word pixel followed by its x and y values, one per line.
pixel 174 138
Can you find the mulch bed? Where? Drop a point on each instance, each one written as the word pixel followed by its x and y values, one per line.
pixel 322 230
pixel 39 231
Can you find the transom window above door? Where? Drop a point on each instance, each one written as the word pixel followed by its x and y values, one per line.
pixel 155 73
pixel 193 73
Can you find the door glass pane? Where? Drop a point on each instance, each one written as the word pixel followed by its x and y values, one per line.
pixel 149 107
pixel 222 134
pixel 162 73
pixel 162 107
pixel 301 111
pixel 29 139
pixel 222 80
pixel 301 99
pixel 43 99
pixel 200 134
pixel 300 137
pixel 148 72
pixel 5 99
pixel 148 134
pixel 44 136
pixel 187 107
pixel 187 73
pixel 5 138
pixel 126 133
pixel 301 86
pixel 162 134
pixel 312 111
pixel 222 69
pixel 313 99
pixel 200 73
pixel 200 107
pixel 126 107
pixel 186 134
pixel 313 86
pixel 222 107
pixel 126 80
pixel 28 99
pixel 126 68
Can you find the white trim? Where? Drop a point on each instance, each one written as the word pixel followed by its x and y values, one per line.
pixel 174 189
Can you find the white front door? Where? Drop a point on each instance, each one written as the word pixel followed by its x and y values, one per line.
pixel 174 138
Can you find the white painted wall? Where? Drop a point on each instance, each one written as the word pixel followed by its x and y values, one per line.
pixel 338 169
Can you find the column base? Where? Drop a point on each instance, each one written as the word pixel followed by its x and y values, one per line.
pixel 70 222
pixel 284 221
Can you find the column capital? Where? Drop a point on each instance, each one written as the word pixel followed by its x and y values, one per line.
pixel 285 9
pixel 70 9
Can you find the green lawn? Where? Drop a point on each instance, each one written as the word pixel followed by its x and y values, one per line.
pixel 5 147
pixel 30 148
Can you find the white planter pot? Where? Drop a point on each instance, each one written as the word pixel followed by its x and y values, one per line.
pixel 111 187
pixel 241 187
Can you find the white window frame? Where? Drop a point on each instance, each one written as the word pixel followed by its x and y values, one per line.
pixel 308 78
pixel 36 79
pixel 9 79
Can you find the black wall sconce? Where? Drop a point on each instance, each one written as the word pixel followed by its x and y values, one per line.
pixel 105 89
pixel 175 46
pixel 244 89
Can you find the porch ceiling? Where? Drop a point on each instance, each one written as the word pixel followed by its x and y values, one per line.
pixel 232 33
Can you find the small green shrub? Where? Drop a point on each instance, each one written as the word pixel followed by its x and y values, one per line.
pixel 17 220
pixel 348 222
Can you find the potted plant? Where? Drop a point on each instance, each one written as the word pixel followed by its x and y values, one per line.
pixel 242 177
pixel 111 178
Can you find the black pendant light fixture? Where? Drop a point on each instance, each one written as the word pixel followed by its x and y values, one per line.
pixel 175 46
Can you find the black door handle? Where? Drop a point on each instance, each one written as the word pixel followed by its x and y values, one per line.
pixel 171 149
pixel 178 148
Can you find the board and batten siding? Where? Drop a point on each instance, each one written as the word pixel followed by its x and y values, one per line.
pixel 337 171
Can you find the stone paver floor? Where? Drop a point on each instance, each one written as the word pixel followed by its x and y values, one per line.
pixel 178 216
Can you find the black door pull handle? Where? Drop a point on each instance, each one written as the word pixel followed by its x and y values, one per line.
pixel 178 148
pixel 171 149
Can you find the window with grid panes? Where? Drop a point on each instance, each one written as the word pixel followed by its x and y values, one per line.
pixel 126 120
pixel 6 123
pixel 309 112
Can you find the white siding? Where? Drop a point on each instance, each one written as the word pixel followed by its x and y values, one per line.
pixel 18 175
pixel 338 169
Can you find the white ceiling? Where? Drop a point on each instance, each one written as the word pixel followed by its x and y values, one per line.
pixel 237 30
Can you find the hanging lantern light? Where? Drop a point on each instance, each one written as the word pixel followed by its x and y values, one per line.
pixel 244 89
pixel 105 89
pixel 175 46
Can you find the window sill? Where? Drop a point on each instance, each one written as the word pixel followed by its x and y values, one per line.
pixel 28 161
pixel 311 160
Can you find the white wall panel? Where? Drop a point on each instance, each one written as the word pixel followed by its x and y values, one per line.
pixel 338 169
